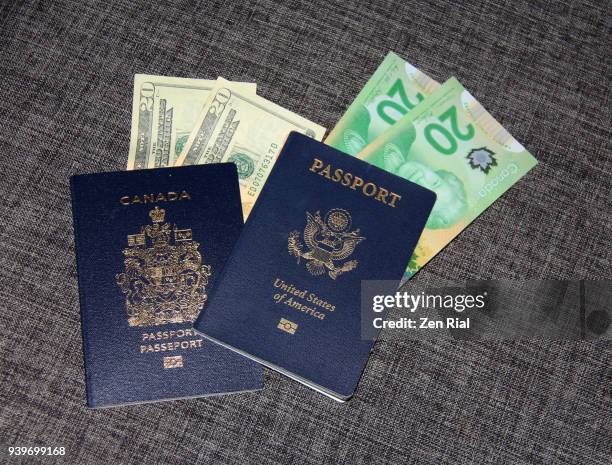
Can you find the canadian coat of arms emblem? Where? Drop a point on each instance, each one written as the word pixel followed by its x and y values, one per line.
pixel 329 242
pixel 164 279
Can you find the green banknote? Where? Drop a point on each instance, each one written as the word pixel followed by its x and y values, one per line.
pixel 164 112
pixel 243 128
pixel 451 145
pixel 394 89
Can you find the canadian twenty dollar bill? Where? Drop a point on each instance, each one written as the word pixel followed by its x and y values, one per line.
pixel 393 90
pixel 164 111
pixel 451 145
pixel 246 129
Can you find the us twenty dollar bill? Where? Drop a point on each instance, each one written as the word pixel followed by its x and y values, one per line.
pixel 246 129
pixel 164 111
pixel 393 90
pixel 451 145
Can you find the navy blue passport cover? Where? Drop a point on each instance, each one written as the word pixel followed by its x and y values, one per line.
pixel 289 296
pixel 150 244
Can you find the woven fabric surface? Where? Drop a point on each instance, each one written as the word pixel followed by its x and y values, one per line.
pixel 543 69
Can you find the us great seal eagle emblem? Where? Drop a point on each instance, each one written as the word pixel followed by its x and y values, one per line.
pixel 329 241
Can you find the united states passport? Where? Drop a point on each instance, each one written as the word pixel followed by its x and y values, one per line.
pixel 289 296
pixel 150 245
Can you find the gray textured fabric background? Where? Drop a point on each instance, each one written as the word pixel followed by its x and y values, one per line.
pixel 542 68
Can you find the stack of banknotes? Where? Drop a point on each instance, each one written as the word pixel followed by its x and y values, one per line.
pixel 403 121
pixel 180 121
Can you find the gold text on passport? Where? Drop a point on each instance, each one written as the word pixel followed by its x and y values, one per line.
pixel 351 181
pixel 154 198
pixel 302 300
pixel 304 294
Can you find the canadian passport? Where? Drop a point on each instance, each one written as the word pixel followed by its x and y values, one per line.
pixel 289 296
pixel 150 245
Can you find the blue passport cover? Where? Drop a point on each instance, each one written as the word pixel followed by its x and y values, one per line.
pixel 289 296
pixel 150 245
